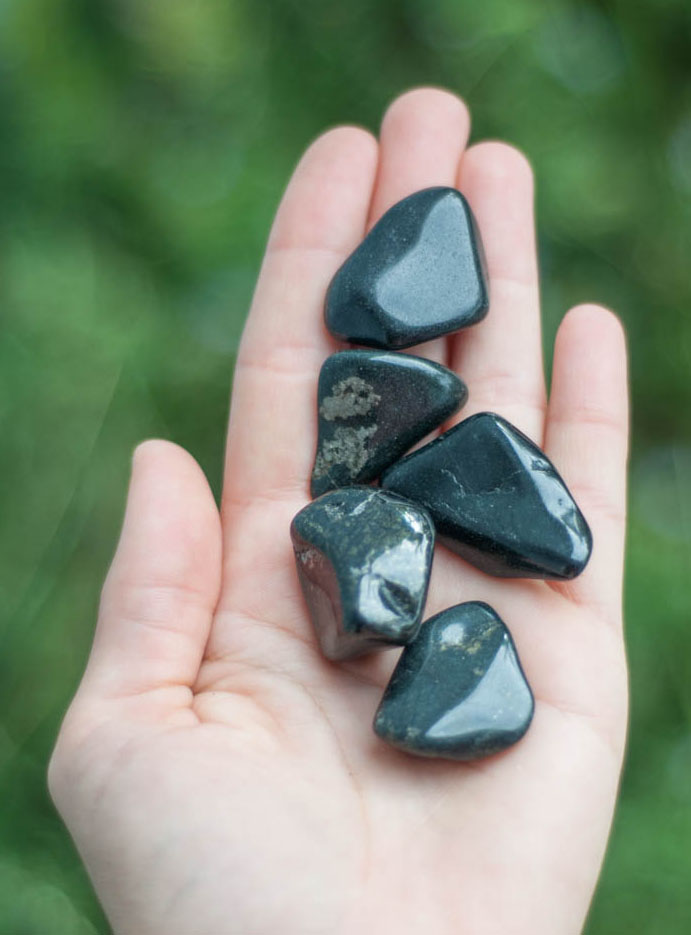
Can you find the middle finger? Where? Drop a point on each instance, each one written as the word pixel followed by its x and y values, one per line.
pixel 423 135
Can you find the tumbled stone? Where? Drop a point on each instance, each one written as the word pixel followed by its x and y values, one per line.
pixel 419 274
pixel 374 406
pixel 496 500
pixel 458 690
pixel 363 558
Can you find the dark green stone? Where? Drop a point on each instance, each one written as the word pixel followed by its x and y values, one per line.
pixel 496 500
pixel 458 690
pixel 374 406
pixel 363 558
pixel 419 274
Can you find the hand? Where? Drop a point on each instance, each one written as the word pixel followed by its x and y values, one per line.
pixel 217 774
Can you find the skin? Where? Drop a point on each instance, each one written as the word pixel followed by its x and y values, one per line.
pixel 218 775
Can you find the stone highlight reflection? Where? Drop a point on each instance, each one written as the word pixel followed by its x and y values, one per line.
pixel 420 273
pixel 458 690
pixel 373 406
pixel 363 558
pixel 496 500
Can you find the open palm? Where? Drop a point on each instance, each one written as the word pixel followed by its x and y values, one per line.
pixel 218 775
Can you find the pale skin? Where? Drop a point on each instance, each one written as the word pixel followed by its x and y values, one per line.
pixel 221 778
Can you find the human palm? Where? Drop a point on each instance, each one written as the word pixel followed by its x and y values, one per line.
pixel 218 775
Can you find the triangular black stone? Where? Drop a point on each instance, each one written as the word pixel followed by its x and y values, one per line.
pixel 373 407
pixel 496 500
pixel 363 558
pixel 458 690
pixel 419 274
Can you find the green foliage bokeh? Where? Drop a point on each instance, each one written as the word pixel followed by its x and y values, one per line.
pixel 143 148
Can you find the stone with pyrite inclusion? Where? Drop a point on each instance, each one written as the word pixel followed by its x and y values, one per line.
pixel 363 559
pixel 419 274
pixel 374 406
pixel 496 500
pixel 458 690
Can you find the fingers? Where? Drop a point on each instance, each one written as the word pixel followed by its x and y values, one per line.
pixel 501 358
pixel 587 439
pixel 423 135
pixel 160 593
pixel 321 219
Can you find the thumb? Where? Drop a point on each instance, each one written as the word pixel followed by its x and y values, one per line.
pixel 159 597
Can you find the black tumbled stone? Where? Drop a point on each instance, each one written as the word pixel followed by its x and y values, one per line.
pixel 458 690
pixel 419 274
pixel 363 558
pixel 496 500
pixel 374 406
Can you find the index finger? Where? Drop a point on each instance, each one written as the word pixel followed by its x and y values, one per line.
pixel 322 217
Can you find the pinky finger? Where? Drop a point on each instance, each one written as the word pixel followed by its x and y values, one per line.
pixel 587 438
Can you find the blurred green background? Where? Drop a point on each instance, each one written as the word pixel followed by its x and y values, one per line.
pixel 143 147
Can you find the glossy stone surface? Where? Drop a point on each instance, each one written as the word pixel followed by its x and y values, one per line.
pixel 374 406
pixel 496 500
pixel 420 273
pixel 458 690
pixel 363 558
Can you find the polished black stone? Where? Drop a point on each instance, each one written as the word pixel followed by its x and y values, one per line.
pixel 458 690
pixel 419 274
pixel 374 406
pixel 496 500
pixel 363 557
